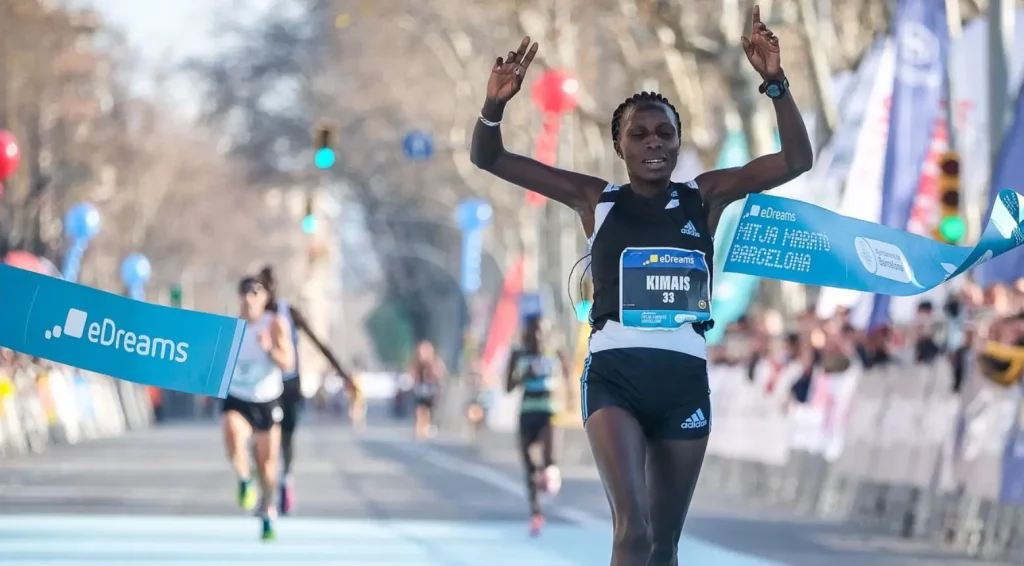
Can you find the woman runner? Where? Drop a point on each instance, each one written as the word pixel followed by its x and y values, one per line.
pixel 644 392
pixel 537 369
pixel 252 408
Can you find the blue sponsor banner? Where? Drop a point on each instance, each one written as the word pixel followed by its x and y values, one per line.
pixel 922 39
pixel 1009 172
pixel 471 260
pixel 791 240
pixel 112 335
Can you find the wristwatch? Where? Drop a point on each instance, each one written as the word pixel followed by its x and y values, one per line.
pixel 774 89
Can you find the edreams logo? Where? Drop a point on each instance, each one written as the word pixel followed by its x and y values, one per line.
pixel 108 335
pixel 771 213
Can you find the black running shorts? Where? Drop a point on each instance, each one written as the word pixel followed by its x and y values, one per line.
pixel 667 392
pixel 533 425
pixel 261 416
pixel 426 395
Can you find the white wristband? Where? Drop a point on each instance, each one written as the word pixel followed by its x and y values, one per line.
pixel 489 123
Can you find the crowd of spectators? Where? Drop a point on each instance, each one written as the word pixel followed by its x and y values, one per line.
pixel 972 328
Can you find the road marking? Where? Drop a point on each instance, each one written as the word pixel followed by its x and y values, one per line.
pixel 94 541
pixel 496 479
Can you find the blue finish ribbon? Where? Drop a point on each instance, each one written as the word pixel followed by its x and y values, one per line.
pixel 108 334
pixel 791 240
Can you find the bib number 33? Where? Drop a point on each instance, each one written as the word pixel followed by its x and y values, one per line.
pixel 664 288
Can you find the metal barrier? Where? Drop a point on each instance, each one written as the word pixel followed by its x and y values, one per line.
pixel 892 448
pixel 45 404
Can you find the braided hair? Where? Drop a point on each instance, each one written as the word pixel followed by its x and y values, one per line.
pixel 637 100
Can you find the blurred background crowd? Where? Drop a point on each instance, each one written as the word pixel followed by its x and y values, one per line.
pixel 988 324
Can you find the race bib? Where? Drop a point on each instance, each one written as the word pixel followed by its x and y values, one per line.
pixel 663 288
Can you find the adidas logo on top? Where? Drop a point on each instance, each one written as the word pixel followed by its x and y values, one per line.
pixel 696 420
pixel 690 230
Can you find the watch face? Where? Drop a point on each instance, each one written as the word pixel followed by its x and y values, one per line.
pixel 773 90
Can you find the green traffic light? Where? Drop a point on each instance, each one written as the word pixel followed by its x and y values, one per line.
pixel 175 296
pixel 309 224
pixel 324 158
pixel 952 229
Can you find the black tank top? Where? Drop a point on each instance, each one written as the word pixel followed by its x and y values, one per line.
pixel 676 219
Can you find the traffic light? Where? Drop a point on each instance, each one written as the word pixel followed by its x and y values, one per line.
pixel 951 228
pixel 175 295
pixel 324 157
pixel 309 223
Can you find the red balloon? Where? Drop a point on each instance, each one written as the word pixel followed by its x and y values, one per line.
pixel 555 92
pixel 27 261
pixel 10 155
pixel 534 199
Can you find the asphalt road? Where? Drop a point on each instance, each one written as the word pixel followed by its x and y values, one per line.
pixel 166 497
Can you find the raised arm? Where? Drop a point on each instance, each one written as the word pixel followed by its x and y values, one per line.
pixel 279 344
pixel 580 192
pixel 725 186
pixel 303 325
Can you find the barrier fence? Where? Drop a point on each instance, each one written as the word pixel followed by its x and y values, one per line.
pixel 893 448
pixel 42 405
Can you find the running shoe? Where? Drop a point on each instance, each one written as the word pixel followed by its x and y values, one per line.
pixel 247 496
pixel 552 480
pixel 287 497
pixel 268 529
pixel 536 524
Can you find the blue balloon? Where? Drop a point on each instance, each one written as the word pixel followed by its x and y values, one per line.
pixel 473 214
pixel 82 222
pixel 135 270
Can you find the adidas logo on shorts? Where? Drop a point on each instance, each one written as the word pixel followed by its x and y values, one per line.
pixel 696 420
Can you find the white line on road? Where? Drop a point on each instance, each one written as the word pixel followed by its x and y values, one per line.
pixel 495 479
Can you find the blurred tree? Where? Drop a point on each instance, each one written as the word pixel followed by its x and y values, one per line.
pixel 32 39
pixel 160 184
pixel 291 69
pixel 257 90
pixel 819 39
pixel 391 334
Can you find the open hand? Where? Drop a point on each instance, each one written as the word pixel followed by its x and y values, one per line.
pixel 507 74
pixel 762 48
